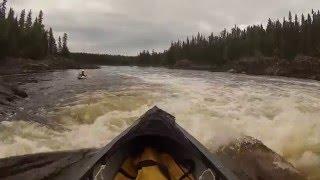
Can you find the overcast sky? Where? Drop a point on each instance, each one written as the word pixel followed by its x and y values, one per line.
pixel 129 26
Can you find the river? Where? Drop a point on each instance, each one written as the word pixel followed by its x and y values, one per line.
pixel 64 113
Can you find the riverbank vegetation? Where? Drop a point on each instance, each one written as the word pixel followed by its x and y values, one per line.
pixel 287 47
pixel 104 59
pixel 284 40
pixel 23 37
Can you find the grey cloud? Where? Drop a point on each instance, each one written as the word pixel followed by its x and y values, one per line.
pixel 129 26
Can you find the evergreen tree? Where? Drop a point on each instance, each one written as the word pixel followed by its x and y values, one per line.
pixel 22 37
pixel 170 55
pixel 10 17
pixel 3 30
pixel 3 10
pixel 59 46
pixel 29 21
pixel 40 18
pixel 22 19
pixel 52 47
pixel 65 50
pixel 290 17
pixel 12 32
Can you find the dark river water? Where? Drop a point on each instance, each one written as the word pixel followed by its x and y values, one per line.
pixel 64 113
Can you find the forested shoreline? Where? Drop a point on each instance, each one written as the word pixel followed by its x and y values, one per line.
pixel 104 59
pixel 285 40
pixel 290 47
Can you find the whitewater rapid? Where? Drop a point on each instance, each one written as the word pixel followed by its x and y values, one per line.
pixel 283 113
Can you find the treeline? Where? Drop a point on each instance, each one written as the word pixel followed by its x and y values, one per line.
pixel 286 39
pixel 21 36
pixel 103 59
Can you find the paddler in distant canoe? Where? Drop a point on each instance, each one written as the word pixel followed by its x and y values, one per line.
pixel 82 75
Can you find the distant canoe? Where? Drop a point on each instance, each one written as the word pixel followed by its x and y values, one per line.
pixel 82 77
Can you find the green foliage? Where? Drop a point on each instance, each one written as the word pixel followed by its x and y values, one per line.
pixel 3 10
pixel 52 46
pixel 59 46
pixel 65 50
pixel 103 59
pixel 284 40
pixel 20 36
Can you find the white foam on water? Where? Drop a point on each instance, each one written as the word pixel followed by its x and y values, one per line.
pixel 213 107
pixel 283 115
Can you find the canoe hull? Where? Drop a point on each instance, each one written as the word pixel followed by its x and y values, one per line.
pixel 154 129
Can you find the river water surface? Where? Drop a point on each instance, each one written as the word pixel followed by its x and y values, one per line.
pixel 64 113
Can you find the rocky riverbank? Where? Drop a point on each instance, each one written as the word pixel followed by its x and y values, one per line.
pixel 9 93
pixel 10 88
pixel 249 158
pixel 19 65
pixel 304 67
pixel 301 67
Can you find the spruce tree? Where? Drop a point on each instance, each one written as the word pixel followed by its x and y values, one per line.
pixel 3 7
pixel 12 33
pixel 40 18
pixel 3 30
pixel 22 19
pixel 290 17
pixel 29 21
pixel 10 17
pixel 65 50
pixel 52 46
pixel 59 46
